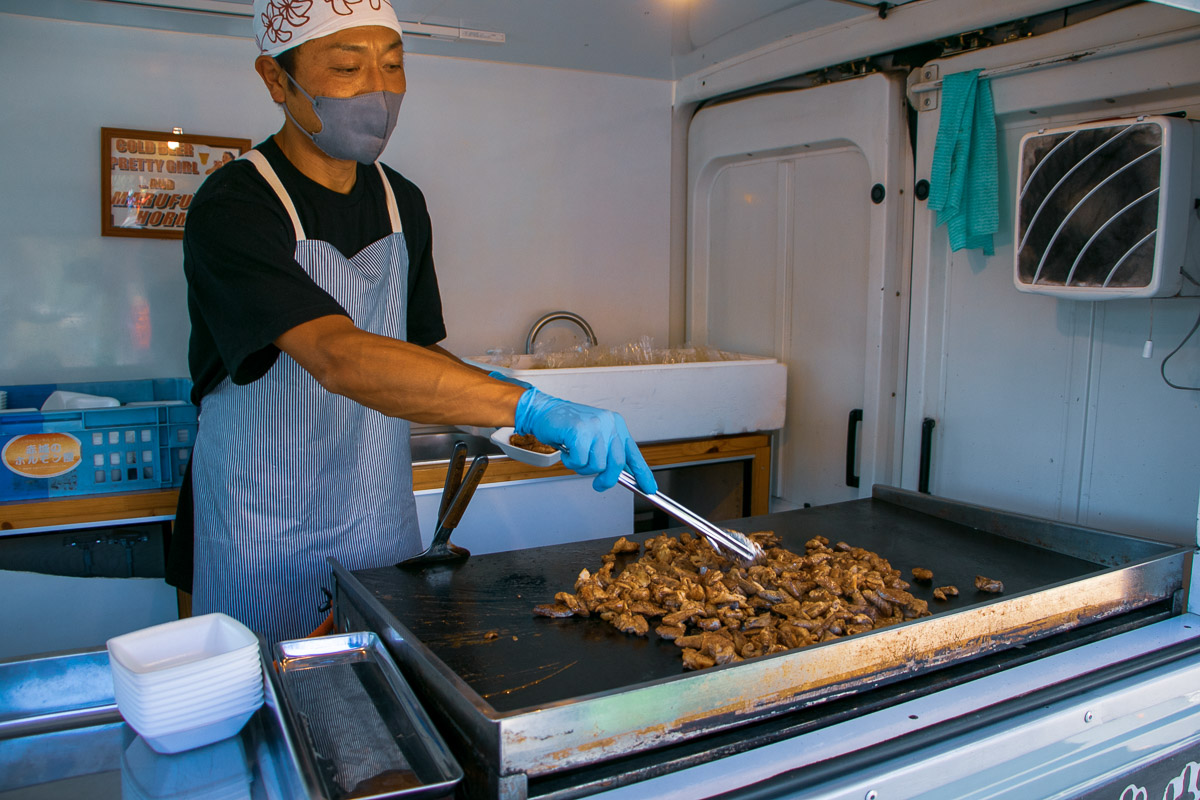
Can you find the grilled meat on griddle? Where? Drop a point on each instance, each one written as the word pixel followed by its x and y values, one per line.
pixel 922 575
pixel 718 612
pixel 988 584
pixel 945 592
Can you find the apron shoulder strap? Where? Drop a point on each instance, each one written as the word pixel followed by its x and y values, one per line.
pixel 393 209
pixel 268 172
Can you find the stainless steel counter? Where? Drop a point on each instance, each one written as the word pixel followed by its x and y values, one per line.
pixel 61 736
pixel 1117 712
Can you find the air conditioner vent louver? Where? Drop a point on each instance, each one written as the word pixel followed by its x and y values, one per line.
pixel 1103 209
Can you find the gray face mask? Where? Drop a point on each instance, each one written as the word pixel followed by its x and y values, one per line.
pixel 352 128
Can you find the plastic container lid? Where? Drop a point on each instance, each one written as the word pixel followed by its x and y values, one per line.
pixel 60 400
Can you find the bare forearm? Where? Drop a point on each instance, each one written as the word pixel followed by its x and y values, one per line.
pixel 437 348
pixel 397 378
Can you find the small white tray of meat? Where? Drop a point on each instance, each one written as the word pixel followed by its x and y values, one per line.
pixel 518 448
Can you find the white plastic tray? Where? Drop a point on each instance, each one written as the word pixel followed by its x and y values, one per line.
pixel 189 646
pixel 501 436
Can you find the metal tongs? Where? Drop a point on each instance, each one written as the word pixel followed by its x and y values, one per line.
pixel 455 497
pixel 736 546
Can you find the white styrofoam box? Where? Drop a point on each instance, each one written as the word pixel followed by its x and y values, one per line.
pixel 672 401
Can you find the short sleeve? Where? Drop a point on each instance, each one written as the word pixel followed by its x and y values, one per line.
pixel 245 288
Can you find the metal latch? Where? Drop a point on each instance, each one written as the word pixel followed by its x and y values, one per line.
pixel 925 88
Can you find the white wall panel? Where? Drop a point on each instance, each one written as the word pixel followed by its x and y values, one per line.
pixel 744 243
pixel 1142 465
pixel 1046 406
pixel 827 333
pixel 548 188
pixel 789 257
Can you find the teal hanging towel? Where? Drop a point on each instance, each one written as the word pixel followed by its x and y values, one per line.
pixel 963 181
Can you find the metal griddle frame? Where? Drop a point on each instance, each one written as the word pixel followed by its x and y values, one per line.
pixel 593 728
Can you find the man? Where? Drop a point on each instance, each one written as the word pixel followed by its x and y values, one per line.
pixel 315 321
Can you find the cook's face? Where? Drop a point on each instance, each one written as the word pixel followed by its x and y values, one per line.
pixel 350 62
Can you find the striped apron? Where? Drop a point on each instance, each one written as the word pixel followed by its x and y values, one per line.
pixel 286 474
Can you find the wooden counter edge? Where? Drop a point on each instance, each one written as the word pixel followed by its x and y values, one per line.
pixel 57 512
pixel 63 511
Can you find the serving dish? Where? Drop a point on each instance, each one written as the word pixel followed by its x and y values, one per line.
pixel 501 436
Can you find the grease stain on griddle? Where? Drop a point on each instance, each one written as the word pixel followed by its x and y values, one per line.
pixel 512 689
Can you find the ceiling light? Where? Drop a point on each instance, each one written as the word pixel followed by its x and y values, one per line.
pixel 451 33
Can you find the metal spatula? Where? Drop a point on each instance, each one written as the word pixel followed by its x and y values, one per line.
pixel 736 546
pixel 455 497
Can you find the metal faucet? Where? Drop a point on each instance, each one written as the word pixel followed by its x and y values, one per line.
pixel 553 315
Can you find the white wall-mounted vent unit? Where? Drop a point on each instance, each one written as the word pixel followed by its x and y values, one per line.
pixel 1108 209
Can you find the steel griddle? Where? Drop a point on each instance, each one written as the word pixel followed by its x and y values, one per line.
pixel 545 695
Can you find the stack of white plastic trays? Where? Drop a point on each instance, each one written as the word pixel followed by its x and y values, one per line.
pixel 187 683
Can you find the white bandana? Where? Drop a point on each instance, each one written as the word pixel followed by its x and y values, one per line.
pixel 282 24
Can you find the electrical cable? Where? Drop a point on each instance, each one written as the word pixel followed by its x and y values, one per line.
pixel 1148 347
pixel 1163 368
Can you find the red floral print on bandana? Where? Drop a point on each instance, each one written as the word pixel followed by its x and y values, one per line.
pixel 282 24
pixel 283 16
pixel 344 8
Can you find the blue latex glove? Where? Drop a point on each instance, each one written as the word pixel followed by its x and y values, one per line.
pixel 593 441
pixel 500 376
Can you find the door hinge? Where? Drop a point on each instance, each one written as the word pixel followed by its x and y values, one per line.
pixel 925 88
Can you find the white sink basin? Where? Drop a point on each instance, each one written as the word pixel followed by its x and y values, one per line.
pixel 671 401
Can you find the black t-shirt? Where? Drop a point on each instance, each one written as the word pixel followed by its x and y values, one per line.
pixel 245 288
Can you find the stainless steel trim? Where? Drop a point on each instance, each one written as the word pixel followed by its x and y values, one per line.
pixel 79 526
pixel 60 721
pixel 1090 544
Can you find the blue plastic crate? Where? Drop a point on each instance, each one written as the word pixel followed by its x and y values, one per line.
pixel 100 450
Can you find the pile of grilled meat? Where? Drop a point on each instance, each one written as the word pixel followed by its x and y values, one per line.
pixel 718 612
